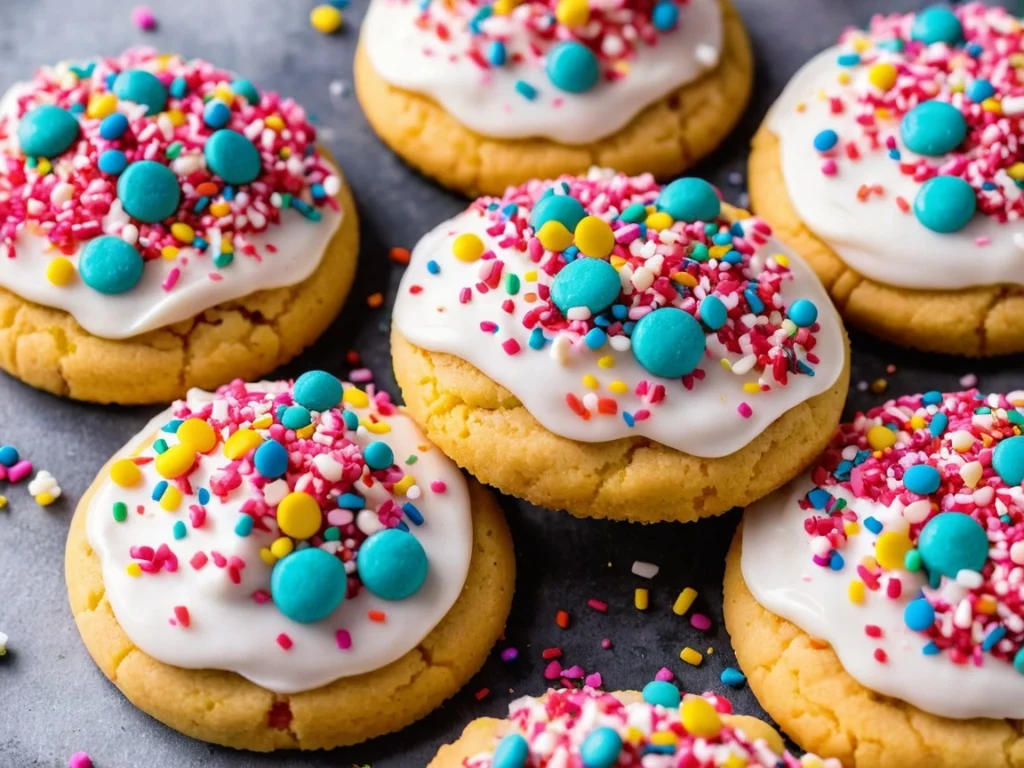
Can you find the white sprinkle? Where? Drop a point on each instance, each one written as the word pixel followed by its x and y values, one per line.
pixel 645 570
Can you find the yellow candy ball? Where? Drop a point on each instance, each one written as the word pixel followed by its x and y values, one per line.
pixel 282 546
pixel 298 515
pixel 891 550
pixel 326 19
pixel 355 397
pixel 240 443
pixel 198 435
pixel 468 247
pixel 1016 171
pixel 659 221
pixel 126 473
pixel 175 461
pixel 880 438
pixel 883 75
pixel 700 718
pixel 60 271
pixel 554 236
pixel 594 237
pixel 572 13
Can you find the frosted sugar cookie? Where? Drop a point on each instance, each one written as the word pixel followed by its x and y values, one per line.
pixel 875 602
pixel 484 95
pixel 163 225
pixel 894 163
pixel 287 566
pixel 657 729
pixel 608 346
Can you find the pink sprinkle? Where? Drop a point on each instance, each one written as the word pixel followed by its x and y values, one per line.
pixel 873 630
pixel 745 410
pixel 594 680
pixel 598 605
pixel 360 375
pixel 553 671
pixel 199 559
pixel 664 675
pixel 511 346
pixel 343 639
pixel 171 280
pixel 261 596
pixel 284 641
pixel 606 644
pixel 143 18
pixel 575 672
pixel 80 760
pixel 182 616
pixel 19 471
pixel 829 168
pixel 700 621
pixel 438 486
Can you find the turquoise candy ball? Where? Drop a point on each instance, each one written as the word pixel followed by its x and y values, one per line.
pixel 601 748
pixel 141 87
pixel 951 542
pixel 47 131
pixel 110 265
pixel 246 90
pixel 713 312
pixel 572 67
pixel 690 200
pixel 665 16
pixel 922 479
pixel 937 25
pixel 296 417
pixel 378 455
pixel 317 390
pixel 512 752
pixel 979 90
pixel 1008 460
pixel 149 191
pixel 933 128
pixel 803 313
pixel 271 459
pixel 233 157
pixel 216 113
pixel 308 585
pixel 112 162
pixel 945 204
pixel 392 564
pixel 561 208
pixel 919 615
pixel 590 283
pixel 668 342
pixel 661 693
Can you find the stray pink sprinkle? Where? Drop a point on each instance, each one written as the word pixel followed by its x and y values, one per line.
pixel 594 680
pixel 700 621
pixel 598 605
pixel 344 639
pixel 143 18
pixel 284 641
pixel 19 471
pixel 80 760
pixel 553 671
pixel 575 672
pixel 438 486
pixel 606 644
pixel 199 559
pixel 745 410
pixel 664 675
pixel 511 346
pixel 968 381
pixel 360 375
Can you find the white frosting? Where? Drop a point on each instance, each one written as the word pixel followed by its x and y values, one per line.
pixel 231 631
pixel 300 247
pixel 875 237
pixel 702 422
pixel 488 103
pixel 777 568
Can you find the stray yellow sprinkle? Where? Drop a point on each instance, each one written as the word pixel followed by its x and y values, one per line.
pixel 133 570
pixel 640 599
pixel 684 602
pixel 691 656
pixel 618 387
pixel 855 592
pixel 606 362
pixel 590 381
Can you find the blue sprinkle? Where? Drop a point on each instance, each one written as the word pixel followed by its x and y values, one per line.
pixel 836 562
pixel 526 90
pixel 179 87
pixel 602 321
pixel 848 60
pixel 732 257
pixel 402 526
pixel 159 490
pixel 229 193
pixel 939 423
pixel 620 311
pixel 474 24
pixel 201 204
pixel 819 498
pixel 595 338
pixel 537 339
pixel 872 525
pixel 510 210
pixel 894 154
pixel 172 426
pixel 931 649
pixel 433 267
pixel 412 513
pixel 974 50
pixel 160 445
pixel 244 525
pixel 756 305
pixel 318 191
pixel 737 229
pixel 992 638
pixel 180 530
pixel 842 472
pixel 204 496
pixel 496 54
pixel 826 140
pixel 932 398
pixel 627 327
pixel 200 244
pixel 628 418
pixel 351 420
pixel 722 238
pixel 351 501
pixel 733 677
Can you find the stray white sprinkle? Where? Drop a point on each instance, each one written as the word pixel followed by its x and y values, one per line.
pixel 645 570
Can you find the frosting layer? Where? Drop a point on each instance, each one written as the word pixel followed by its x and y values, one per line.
pixel 188 562
pixel 446 50
pixel 221 240
pixel 843 130
pixel 578 373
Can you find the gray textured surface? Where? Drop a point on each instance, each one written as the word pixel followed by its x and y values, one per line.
pixel 53 700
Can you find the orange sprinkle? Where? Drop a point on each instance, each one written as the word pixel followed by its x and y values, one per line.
pixel 400 255
pixel 607 406
pixel 903 204
pixel 577 406
pixel 818 645
pixel 378 616
pixel 374 300
pixel 529 298
pixel 483 693
pixel 863 192
pixel 562 619
pixel 207 189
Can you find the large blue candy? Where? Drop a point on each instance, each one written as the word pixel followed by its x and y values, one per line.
pixel 308 585
pixel 141 87
pixel 668 342
pixel 937 25
pixel 601 748
pixel 110 265
pixel 47 131
pixel 149 191
pixel 1008 460
pixel 933 128
pixel 945 204
pixel 233 157
pixel 951 542
pixel 690 200
pixel 585 282
pixel 661 693
pixel 572 67
pixel 317 390
pixel 392 564
pixel 565 209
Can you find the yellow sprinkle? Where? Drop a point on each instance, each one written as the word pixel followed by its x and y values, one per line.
pixel 169 252
pixel 227 243
pixel 267 557
pixel 726 364
pixel 504 7
pixel 177 117
pixel 659 220
pixel 606 362
pixel 572 13
pixel 306 432
pixel 684 601
pixel 622 67
pixel 594 237
pixel 468 247
pixel 355 397
pixel 991 105
pixel 224 93
pixel 326 19
pixel 530 275
pixel 43 166
pixel 375 428
pixel 691 656
pixel 590 381
pixel 891 549
pixel 718 251
pixel 274 123
pixel 183 233
pixel 869 562
pixel 752 388
pixel 735 761
pixel 60 271
pixel 986 604
pixel 618 387
pixel 851 528
pixel 554 236
pixel 861 44
pixel 45 499
pixel 640 599
pixel 220 209
pixel 171 499
pixel 616 261
pixel 781 259
pixel 285 152
pixel 263 422
pixel 1016 171
pixel 664 739
pixel 3 502
pixel 282 547
pixel 883 75
pixel 125 473
pixel 855 592
pixel 634 735
pixel 684 278
pixel 811 761
pixel 175 461
pixel 133 570
pixel 916 422
pixel 844 78
pixel 101 105
pixel 403 485
pixel 240 443
pixel 197 434
pixel 880 438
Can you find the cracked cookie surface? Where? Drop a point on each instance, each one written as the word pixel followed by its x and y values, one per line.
pixel 246 338
pixel 805 689
pixel 664 139
pixel 969 321
pixel 225 708
pixel 487 431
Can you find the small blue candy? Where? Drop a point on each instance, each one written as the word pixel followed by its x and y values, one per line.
pixel 271 459
pixel 351 501
pixel 246 90
pixel 308 585
pixel 922 479
pixel 933 128
pixel 216 113
pixel 1008 460
pixel 665 16
pixel 113 162
pixel 565 209
pixel 317 390
pixel 572 67
pixel 47 131
pixel 178 87
pixel 661 693
pixel 690 200
pixel 945 204
pixel 113 126
pixel 826 140
pixel 979 90
pixel 713 312
pixel 937 25
pixel 141 87
pixel 233 157
pixel 110 265
pixel 496 53
pixel 590 283
pixel 951 542
pixel 511 752
pixel 392 564
pixel 9 455
pixel 932 397
pixel 919 615
pixel 668 342
pixel 733 677
pixel 149 191
pixel 378 455
pixel 296 417
pixel 243 527
pixel 601 748
pixel 803 313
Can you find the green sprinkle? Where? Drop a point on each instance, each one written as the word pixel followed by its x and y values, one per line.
pixel 222 260
pixel 913 561
pixel 699 252
pixel 332 534
pixel 120 511
pixel 174 150
pixel 512 284
pixel 180 530
pixel 286 200
pixel 412 459
pixel 160 445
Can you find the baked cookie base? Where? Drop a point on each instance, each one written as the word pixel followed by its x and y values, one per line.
pixel 664 139
pixel 246 338
pixel 225 708
pixel 482 735
pixel 486 430
pixel 804 688
pixel 974 322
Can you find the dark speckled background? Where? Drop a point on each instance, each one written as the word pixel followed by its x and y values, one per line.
pixel 54 701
